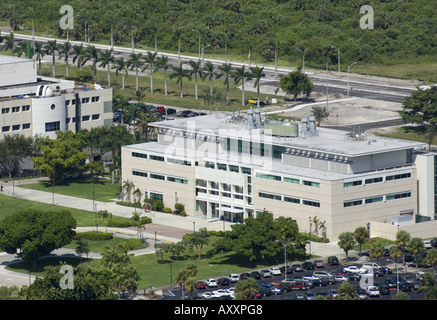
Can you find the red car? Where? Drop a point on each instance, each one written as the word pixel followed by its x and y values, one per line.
pixel 255 296
pixel 201 285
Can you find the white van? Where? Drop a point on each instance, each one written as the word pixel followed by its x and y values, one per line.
pixel 371 265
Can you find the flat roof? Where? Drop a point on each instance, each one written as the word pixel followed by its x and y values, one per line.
pixel 4 59
pixel 331 141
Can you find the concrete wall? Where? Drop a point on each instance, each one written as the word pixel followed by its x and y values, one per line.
pixel 424 230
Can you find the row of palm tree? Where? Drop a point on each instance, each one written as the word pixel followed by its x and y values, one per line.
pixel 137 62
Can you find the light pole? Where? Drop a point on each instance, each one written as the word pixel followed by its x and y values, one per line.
pixel 285 254
pixel 309 241
pixel 327 99
pixel 203 54
pixel 397 274
pixel 348 87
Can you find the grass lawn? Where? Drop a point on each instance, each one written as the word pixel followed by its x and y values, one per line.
pixel 9 205
pixel 103 189
pixel 412 133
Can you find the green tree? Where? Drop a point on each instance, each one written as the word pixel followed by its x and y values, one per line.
pixel 83 247
pixel 50 48
pixel 346 291
pixel 320 113
pixel 179 73
pixel 241 75
pixel 64 51
pixel 431 258
pixel 361 235
pixel 421 108
pixel 245 288
pixel 296 83
pixel 106 57
pixel 209 73
pixel 416 247
pixel 429 286
pixel 14 149
pixel 225 71
pixel 151 62
pixel 35 233
pixel 376 250
pixel 39 54
pixel 92 54
pixel 402 239
pixel 401 296
pixel 257 73
pixel 346 241
pixel 197 72
pixel 60 156
pixel 162 63
pixel 135 62
pixel 199 239
pixel 120 65
pixel 78 53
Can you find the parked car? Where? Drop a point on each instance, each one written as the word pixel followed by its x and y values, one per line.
pixel 201 285
pixel 171 111
pixel 223 281
pixel 266 273
pixel 255 275
pixel 288 268
pixel 300 296
pixel 353 276
pixel 319 264
pixel 211 282
pixel 371 264
pixel 222 292
pixel 390 282
pixel 333 293
pixel 361 293
pixel 209 295
pixel 297 267
pixel 264 291
pixel 298 285
pixel 183 113
pixel 333 260
pixel 427 244
pixel 372 291
pixel 255 296
pixel 384 290
pixel 273 289
pixel 308 265
pixel 386 270
pixel 354 269
pixel 244 276
pixel 233 277
pixel 275 271
pixel 309 295
pixel 340 278
pixel 160 109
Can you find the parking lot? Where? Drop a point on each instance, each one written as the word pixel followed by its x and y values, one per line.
pixel 385 283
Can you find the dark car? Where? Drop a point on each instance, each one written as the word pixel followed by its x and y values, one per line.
pixel 171 111
pixel 319 264
pixel 308 265
pixel 386 270
pixel 297 267
pixel 288 268
pixel 223 281
pixel 390 282
pixel 184 113
pixel 264 291
pixel 405 286
pixel 255 275
pixel 353 276
pixel 244 276
pixel 384 290
pixel 333 260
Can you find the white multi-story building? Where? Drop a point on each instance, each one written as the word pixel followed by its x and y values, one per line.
pixel 228 166
pixel 33 105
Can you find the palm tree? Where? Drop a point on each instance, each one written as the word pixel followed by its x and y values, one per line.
pixel 64 51
pixel 120 65
pixel 241 75
pixel 106 58
pixel 135 62
pixel 50 48
pixel 196 70
pixel 162 63
pixel 209 72
pixel 257 74
pixel 9 43
pixel 361 235
pixel 150 62
pixel 92 53
pixel 120 102
pixel 402 239
pixel 78 53
pixel 303 51
pixel 179 73
pixel 226 70
pixel 21 48
pixel 39 53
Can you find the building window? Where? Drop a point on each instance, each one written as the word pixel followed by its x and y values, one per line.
pixel 177 161
pixel 15 109
pixel 6 128
pixel 53 126
pixel 157 158
pixel 85 118
pixel 5 110
pixel 95 99
pixel 156 196
pixel 374 180
pixel 96 116
pixel 177 180
pixel 398 196
pixel 25 108
pixel 398 176
pixel 85 100
pixel 311 183
pixel 292 200
pixel 157 176
pixel 139 155
pixel 268 176
pixel 139 173
pixel 15 127
pixel 269 196
pixel 233 168
pixel 311 203
pixel 209 165
pixel 291 180
pixel 221 166
pixel 353 203
pixel 246 170
pixel 26 126
pixel 353 183
pixel 373 200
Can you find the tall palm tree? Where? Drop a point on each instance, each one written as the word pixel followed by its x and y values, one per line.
pixel 120 102
pixel 39 53
pixel 162 63
pixel 135 62
pixel 209 72
pixel 93 54
pixel 21 48
pixel 106 57
pixel 241 75
pixel 120 65
pixel 197 71
pixel 150 62
pixel 257 74
pixel 225 71
pixel 50 48
pixel 180 73
pixel 64 51
pixel 78 53
pixel 9 43
pixel 303 51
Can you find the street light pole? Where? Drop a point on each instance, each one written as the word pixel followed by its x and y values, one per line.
pixel 348 69
pixel 285 255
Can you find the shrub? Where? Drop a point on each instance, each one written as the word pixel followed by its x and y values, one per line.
pixel 167 210
pixel 179 208
pixel 158 205
pixel 93 235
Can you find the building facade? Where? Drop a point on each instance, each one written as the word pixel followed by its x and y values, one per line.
pixel 229 167
pixel 33 105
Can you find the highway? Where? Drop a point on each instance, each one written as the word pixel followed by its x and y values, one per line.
pixel 375 90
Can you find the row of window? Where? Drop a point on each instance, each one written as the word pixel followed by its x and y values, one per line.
pixel 289 180
pixel 376 180
pixel 359 202
pixel 162 159
pixel 84 118
pixel 159 177
pixel 278 197
pixel 15 109
pixel 84 100
pixel 16 127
